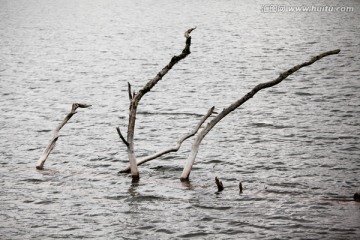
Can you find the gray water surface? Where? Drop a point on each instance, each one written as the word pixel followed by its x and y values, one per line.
pixel 295 146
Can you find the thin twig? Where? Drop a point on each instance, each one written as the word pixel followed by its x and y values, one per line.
pixel 129 92
pixel 122 137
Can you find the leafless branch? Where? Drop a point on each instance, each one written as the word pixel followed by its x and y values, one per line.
pixel 135 99
pixel 195 147
pixel 56 135
pixel 129 91
pixel 174 148
pixel 122 137
pixel 219 184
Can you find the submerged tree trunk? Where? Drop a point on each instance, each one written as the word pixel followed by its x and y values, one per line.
pixel 195 147
pixel 135 99
pixel 56 135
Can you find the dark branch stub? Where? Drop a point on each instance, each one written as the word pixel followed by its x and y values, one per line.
pixel 122 137
pixel 82 105
pixel 357 197
pixel 129 92
pixel 219 184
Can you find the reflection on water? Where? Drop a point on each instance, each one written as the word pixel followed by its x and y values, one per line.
pixel 295 147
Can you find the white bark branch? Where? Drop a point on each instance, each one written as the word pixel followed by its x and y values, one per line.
pixel 174 148
pixel 135 99
pixel 195 147
pixel 56 135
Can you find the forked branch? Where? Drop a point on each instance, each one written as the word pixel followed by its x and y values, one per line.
pixel 174 148
pixel 135 99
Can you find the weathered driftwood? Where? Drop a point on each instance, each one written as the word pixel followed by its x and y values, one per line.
pixel 219 184
pixel 56 135
pixel 174 148
pixel 195 147
pixel 136 97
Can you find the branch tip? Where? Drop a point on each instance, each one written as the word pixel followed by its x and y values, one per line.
pixel 82 105
pixel 74 106
pixel 187 33
pixel 129 92
pixel 52 143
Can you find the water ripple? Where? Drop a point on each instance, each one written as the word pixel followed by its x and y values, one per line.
pixel 295 147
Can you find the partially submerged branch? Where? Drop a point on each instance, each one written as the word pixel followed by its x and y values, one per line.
pixel 195 147
pixel 174 148
pixel 135 99
pixel 357 196
pixel 56 135
pixel 219 184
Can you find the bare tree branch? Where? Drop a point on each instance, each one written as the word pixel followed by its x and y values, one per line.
pixel 174 148
pixel 122 137
pixel 195 147
pixel 165 70
pixel 56 135
pixel 219 184
pixel 137 97
pixel 129 91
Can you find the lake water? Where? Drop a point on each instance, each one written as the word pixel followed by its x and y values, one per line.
pixel 295 147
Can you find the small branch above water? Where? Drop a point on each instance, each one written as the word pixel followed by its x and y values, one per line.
pixel 219 184
pixel 56 135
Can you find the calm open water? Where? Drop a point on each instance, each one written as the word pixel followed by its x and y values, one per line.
pixel 295 147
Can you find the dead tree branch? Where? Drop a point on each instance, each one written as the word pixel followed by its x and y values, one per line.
pixel 135 99
pixel 174 148
pixel 56 135
pixel 357 196
pixel 122 137
pixel 195 147
pixel 129 91
pixel 219 184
